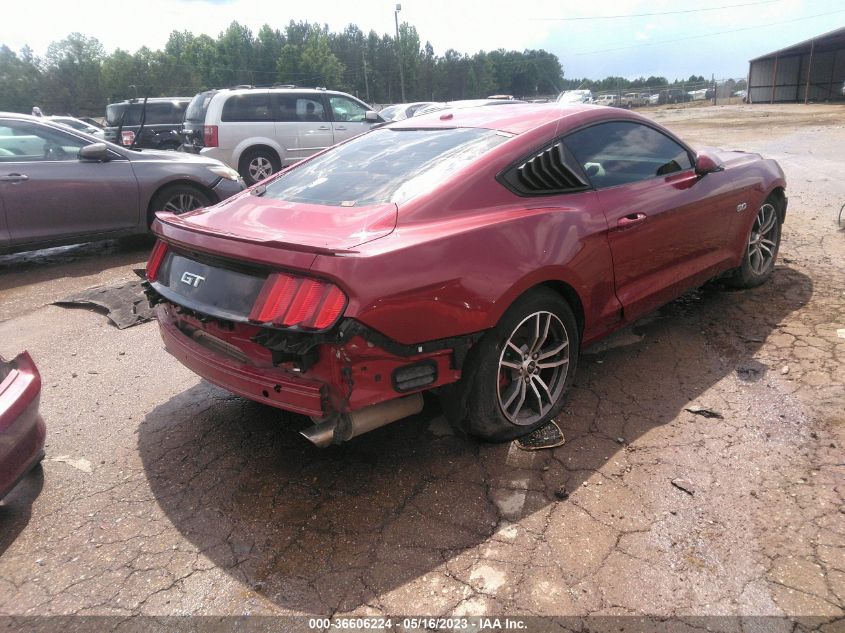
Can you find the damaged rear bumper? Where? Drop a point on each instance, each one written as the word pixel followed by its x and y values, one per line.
pixel 22 431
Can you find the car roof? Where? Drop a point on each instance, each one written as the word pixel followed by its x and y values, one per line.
pixel 513 118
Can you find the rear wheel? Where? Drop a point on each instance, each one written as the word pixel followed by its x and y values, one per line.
pixel 761 247
pixel 258 164
pixel 515 378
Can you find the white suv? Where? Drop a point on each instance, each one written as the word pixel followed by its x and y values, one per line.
pixel 260 130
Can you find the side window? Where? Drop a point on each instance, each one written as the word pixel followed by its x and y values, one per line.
pixel 345 109
pixel 309 110
pixel 21 141
pixel 248 107
pixel 622 152
pixel 158 113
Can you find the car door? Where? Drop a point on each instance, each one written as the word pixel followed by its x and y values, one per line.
pixel 302 125
pixel 665 233
pixel 48 193
pixel 4 233
pixel 349 117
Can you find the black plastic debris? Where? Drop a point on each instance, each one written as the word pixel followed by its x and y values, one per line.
pixel 547 436
pixel 685 485
pixel 125 304
pixel 704 412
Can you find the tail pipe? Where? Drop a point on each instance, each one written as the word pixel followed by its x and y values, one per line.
pixel 342 428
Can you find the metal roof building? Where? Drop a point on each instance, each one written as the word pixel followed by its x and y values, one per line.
pixel 813 70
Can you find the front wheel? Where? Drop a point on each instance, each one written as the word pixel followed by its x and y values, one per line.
pixel 179 199
pixel 761 247
pixel 515 378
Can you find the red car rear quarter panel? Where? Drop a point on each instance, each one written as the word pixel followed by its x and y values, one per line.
pixel 435 280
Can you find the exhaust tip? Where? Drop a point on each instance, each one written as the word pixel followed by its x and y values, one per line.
pixel 320 435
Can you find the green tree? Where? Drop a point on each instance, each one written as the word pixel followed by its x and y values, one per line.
pixel 72 76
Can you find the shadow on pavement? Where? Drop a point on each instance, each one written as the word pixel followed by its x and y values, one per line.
pixel 77 260
pixel 16 507
pixel 322 531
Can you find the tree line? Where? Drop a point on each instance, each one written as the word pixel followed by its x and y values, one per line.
pixel 77 76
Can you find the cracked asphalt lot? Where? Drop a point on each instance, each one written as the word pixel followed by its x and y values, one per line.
pixel 161 494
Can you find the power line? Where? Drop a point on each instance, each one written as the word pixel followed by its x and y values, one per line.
pixel 692 37
pixel 643 15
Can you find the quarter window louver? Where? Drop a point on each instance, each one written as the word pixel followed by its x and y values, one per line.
pixel 543 173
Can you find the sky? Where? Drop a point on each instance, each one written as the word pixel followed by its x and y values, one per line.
pixel 678 38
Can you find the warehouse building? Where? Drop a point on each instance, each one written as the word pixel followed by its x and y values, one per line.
pixel 811 71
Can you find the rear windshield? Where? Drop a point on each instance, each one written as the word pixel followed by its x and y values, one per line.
pixel 158 113
pixel 198 107
pixel 384 165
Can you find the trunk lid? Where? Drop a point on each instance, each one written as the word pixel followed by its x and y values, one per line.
pixel 291 225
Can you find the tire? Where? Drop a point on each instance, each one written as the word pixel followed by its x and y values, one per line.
pixel 761 247
pixel 486 401
pixel 179 199
pixel 257 164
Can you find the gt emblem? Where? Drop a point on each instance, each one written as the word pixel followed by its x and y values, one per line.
pixel 741 207
pixel 192 279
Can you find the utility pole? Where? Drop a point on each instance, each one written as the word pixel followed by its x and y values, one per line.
pixel 399 52
pixel 366 84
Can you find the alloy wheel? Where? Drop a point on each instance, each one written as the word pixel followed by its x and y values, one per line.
pixel 182 203
pixel 761 243
pixel 533 367
pixel 260 168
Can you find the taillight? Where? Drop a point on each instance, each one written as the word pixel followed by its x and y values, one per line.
pixel 209 135
pixel 156 257
pixel 127 137
pixel 288 300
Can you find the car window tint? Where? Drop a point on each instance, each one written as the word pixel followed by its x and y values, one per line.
pixel 345 109
pixel 297 108
pixel 22 141
pixel 248 107
pixel 621 152
pixel 385 165
pixel 198 107
pixel 163 113
pixel 129 113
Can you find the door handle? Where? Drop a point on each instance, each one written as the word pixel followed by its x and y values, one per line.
pixel 324 127
pixel 340 127
pixel 14 178
pixel 632 219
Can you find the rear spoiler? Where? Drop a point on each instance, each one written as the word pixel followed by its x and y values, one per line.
pixel 175 230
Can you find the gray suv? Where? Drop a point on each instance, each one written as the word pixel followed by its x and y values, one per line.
pixel 260 130
pixel 60 186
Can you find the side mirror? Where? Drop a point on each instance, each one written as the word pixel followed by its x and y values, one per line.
pixel 371 116
pixel 706 163
pixel 95 152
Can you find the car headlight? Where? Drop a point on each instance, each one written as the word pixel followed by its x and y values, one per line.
pixel 224 172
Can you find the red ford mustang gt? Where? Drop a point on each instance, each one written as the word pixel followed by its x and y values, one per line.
pixel 473 252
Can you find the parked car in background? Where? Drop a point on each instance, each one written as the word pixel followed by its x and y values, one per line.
pixel 22 431
pixel 403 110
pixel 575 96
pixel 635 99
pixel 472 252
pixel 260 130
pixel 78 124
pixel 162 118
pixel 607 100
pixel 61 186
pixel 672 95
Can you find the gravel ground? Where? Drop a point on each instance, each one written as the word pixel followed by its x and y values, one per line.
pixel 164 495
